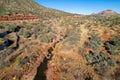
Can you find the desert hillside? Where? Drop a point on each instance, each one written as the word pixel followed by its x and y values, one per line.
pixel 39 43
pixel 13 7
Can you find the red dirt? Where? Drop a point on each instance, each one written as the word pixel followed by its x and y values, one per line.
pixel 18 17
pixel 106 36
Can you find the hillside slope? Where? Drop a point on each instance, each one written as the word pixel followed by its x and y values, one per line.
pixel 9 7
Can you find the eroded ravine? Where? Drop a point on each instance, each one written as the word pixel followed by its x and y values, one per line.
pixel 42 68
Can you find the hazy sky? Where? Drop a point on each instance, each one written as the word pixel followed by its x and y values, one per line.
pixel 82 6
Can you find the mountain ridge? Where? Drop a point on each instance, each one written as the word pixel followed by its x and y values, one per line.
pixel 107 12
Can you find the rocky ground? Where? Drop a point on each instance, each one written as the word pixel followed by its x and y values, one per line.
pixel 70 48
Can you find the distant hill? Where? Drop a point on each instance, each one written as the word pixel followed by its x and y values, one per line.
pixel 106 13
pixel 10 7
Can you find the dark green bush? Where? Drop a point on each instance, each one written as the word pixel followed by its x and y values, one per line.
pixel 1 27
pixel 94 42
pixel 113 46
pixel 99 60
pixel 111 62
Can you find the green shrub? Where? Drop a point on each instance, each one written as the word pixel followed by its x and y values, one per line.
pixel 113 46
pixel 74 39
pixel 1 27
pixel 45 29
pixel 19 60
pixel 2 10
pixel 21 31
pixel 94 42
pixel 72 35
pixel 111 62
pixel 10 28
pixel 45 35
pixel 43 38
pixel 26 34
pixel 99 60
pixel 70 32
pixel 50 36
